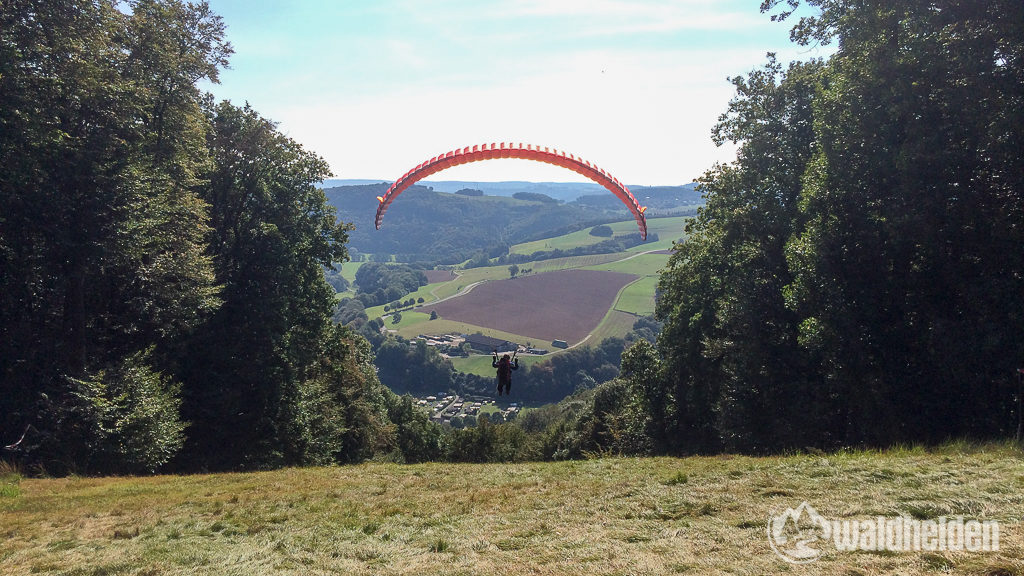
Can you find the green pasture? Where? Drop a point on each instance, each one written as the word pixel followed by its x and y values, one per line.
pixel 615 324
pixel 571 262
pixel 349 269
pixel 414 328
pixel 638 265
pixel 667 229
pixel 481 364
pixel 638 297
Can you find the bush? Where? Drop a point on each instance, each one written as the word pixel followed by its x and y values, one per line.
pixel 123 419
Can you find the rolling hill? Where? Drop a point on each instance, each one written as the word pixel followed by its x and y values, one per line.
pixel 428 225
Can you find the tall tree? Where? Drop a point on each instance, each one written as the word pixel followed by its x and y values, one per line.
pixel 729 342
pixel 269 380
pixel 909 273
pixel 101 238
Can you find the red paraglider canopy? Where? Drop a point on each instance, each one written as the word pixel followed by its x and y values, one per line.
pixel 527 152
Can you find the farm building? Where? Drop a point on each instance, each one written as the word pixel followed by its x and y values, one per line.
pixel 560 344
pixel 487 344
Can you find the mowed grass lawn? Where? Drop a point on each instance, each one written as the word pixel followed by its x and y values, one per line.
pixel 699 515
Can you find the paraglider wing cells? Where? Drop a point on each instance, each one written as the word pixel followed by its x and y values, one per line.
pixel 528 152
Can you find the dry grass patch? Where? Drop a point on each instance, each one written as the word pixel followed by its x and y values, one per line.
pixel 611 516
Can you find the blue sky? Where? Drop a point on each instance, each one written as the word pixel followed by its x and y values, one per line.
pixel 377 86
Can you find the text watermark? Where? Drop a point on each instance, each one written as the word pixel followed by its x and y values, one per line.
pixel 801 535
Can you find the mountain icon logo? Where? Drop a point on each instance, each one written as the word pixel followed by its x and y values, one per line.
pixel 793 533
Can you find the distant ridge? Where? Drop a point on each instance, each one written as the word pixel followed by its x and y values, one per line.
pixel 564 191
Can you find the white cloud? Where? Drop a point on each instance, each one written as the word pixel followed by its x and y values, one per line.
pixel 628 17
pixel 632 86
pixel 646 118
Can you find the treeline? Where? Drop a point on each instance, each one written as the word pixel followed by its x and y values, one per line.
pixel 162 296
pixel 609 246
pixel 856 275
pixel 378 283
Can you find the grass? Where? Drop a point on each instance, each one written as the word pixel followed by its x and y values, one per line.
pixel 481 365
pixel 608 516
pixel 667 229
pixel 10 481
pixel 639 265
pixel 349 269
pixel 638 297
pixel 444 326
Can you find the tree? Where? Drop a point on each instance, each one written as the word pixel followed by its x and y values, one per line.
pixel 417 438
pixel 270 380
pixel 729 341
pixel 853 269
pixel 123 419
pixel 415 369
pixel 513 270
pixel 102 234
pixel 913 253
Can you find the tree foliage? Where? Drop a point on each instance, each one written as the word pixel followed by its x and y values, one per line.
pixel 102 233
pixel 852 277
pixel 163 257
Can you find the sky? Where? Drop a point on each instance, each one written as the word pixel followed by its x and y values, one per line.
pixel 377 86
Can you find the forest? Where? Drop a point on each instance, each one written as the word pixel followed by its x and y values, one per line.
pixel 854 278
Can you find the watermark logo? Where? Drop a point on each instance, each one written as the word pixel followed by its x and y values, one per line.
pixel 796 534
pixel 802 535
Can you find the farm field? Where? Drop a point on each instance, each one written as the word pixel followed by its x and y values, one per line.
pixel 638 297
pixel 481 364
pixel 667 229
pixel 421 324
pixel 565 305
pixel 638 265
pixel 697 515
pixel 643 262
pixel 634 299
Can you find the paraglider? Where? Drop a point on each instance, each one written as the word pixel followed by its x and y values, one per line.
pixel 527 152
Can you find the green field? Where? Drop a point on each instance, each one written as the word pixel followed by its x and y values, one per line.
pixel 349 269
pixel 414 328
pixel 635 299
pixel 638 297
pixel 481 365
pixel 612 516
pixel 667 229
pixel 637 264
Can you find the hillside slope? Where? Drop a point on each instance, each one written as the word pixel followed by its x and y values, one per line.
pixel 426 225
pixel 610 516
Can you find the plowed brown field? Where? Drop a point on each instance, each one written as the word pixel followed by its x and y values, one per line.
pixel 564 305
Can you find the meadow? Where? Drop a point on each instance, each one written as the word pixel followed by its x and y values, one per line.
pixel 667 229
pixel 697 515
